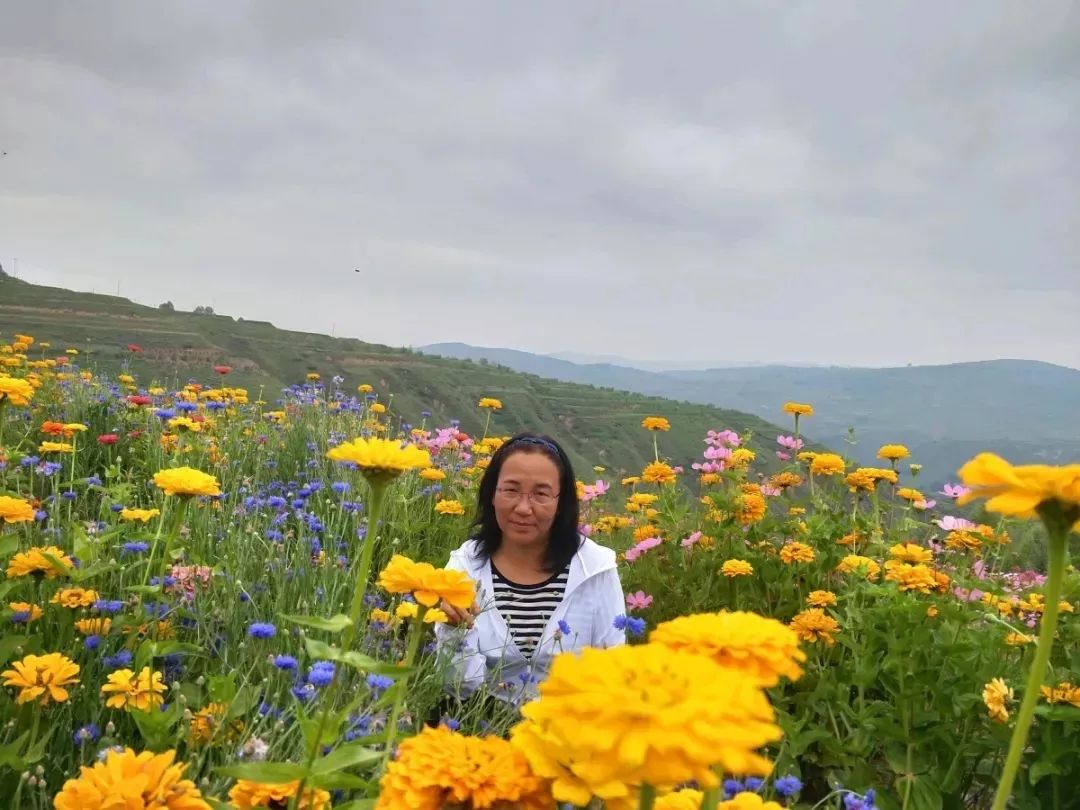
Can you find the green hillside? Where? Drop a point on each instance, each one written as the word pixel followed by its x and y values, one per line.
pixel 598 426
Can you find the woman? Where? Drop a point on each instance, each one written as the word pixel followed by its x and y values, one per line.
pixel 542 588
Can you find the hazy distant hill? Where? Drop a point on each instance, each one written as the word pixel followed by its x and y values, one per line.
pixel 597 426
pixel 1025 410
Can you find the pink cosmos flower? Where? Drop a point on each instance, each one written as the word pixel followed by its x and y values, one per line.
pixel 586 529
pixel 723 438
pixel 715 453
pixel 638 601
pixel 790 442
pixel 950 523
pixel 691 541
pixel 635 552
pixel 954 491
pixel 783 456
pixel 924 506
pixel 591 491
pixel 769 490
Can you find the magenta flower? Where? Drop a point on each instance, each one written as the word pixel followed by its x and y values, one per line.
pixel 591 491
pixel 954 490
pixel 638 601
pixel 691 541
pixel 769 490
pixel 790 442
pixel 723 438
pixel 924 505
pixel 586 530
pixel 783 456
pixel 951 524
pixel 636 551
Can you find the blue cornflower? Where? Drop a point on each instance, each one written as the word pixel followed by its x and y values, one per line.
pixel 340 487
pixel 262 630
pixel 321 673
pixel 564 628
pixel 135 547
pixel 631 624
pixel 118 661
pixel 379 683
pixel 86 734
pixel 92 642
pixel 164 413
pixel 20 616
pixel 731 787
pixel 116 507
pixel 108 605
pixel 754 784
pixel 450 723
pixel 853 801
pixel 69 495
pixel 787 786
pixel 286 662
pixel 93 481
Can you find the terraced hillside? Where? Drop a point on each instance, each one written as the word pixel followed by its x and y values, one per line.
pixel 598 425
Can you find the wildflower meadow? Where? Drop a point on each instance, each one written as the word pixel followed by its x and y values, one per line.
pixel 216 598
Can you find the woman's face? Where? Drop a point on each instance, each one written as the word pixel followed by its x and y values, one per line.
pixel 526 498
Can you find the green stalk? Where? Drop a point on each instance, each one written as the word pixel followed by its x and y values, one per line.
pixel 416 632
pixel 1058 521
pixel 647 797
pixel 378 492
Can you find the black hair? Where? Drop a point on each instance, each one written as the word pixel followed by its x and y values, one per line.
pixel 563 540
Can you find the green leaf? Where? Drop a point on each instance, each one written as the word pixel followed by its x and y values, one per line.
pixel 347 756
pixel 264 771
pixel 339 781
pixel 222 688
pixel 91 571
pixel 8 643
pixel 359 661
pixel 1042 769
pixel 143 588
pixel 335 624
pixel 8 586
pixel 9 544
pixel 9 754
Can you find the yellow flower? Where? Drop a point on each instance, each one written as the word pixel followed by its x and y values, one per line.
pixel 748 801
pixel 910 577
pixel 750 508
pixel 141 515
pixel 911 553
pixel 380 459
pixel 1020 490
pixel 14 391
pixel 643 499
pixel 409 610
pixel 313 376
pixel 432 474
pixel 741 457
pixel 685 799
pixel 995 694
pixel 630 480
pixel 821 599
pixel 438 769
pixel 610 720
pixel 15 510
pixel 34 562
pixel 56 447
pixel 658 473
pixel 206 724
pixel 1063 693
pixel 708 479
pixel 130 781
pixel 74 597
pixel 960 540
pixel 94 627
pixel 763 648
pixel 853 563
pixel 793 552
pixel 785 480
pixel 893 452
pixel 378 407
pixel 42 678
pixel 449 507
pixel 185 424
pixel 655 423
pixel 736 568
pixel 1018 639
pixel 814 624
pixel 798 409
pixel 490 403
pixel 128 691
pixel 427 583
pixel 827 464
pixel 910 494
pixel 246 794
pixel 185 481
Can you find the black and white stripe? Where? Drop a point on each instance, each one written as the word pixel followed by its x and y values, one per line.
pixel 527 608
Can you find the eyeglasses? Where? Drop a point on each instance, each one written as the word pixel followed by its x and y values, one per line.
pixel 542 498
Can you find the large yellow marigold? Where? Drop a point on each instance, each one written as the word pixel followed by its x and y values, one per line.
pixel 246 794
pixel 380 459
pixel 128 691
pixel 608 721
pixel 658 473
pixel 794 552
pixel 750 508
pixel 15 510
pixel 655 423
pixel 432 474
pixel 427 583
pixel 854 563
pixel 490 403
pixel 685 799
pixel 42 678
pixel 736 568
pixel 15 391
pixel 911 553
pixel 910 577
pixel 1020 490
pixel 130 781
pixel 763 648
pixel 141 515
pixel 74 597
pixel 35 562
pixel 798 409
pixel 450 507
pixel 438 768
pixel 827 464
pixel 186 481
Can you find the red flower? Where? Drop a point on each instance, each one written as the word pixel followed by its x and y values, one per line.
pixel 108 438
pixel 134 347
pixel 134 434
pixel 62 360
pixel 223 370
pixel 461 437
pixel 139 399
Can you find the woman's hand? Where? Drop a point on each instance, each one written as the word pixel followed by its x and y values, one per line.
pixel 458 616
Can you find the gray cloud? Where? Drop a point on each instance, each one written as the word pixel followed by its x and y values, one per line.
pixel 823 182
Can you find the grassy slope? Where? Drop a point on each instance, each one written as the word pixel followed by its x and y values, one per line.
pixel 598 426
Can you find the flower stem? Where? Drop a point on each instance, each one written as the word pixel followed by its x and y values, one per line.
pixel 378 491
pixel 416 632
pixel 647 797
pixel 1058 531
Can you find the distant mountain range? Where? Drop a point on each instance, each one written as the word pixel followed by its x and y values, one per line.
pixel 1026 410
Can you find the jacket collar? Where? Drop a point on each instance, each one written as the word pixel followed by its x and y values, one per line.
pixel 591 559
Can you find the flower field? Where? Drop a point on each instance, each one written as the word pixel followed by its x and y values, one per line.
pixel 222 598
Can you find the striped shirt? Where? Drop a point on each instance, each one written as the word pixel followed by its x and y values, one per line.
pixel 527 608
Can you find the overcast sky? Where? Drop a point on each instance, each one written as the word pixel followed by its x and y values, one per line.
pixel 702 182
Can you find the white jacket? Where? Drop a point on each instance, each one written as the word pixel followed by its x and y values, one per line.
pixel 486 654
